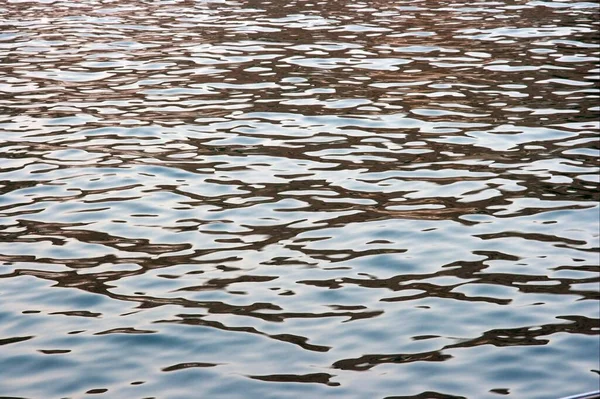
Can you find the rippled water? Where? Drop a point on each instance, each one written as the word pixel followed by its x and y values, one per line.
pixel 286 199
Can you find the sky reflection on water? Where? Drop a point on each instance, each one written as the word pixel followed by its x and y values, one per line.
pixel 265 199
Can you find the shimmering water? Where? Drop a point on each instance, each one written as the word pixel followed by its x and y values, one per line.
pixel 299 199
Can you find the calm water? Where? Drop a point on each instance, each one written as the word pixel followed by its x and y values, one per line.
pixel 299 199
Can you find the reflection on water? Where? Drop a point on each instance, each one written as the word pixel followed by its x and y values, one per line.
pixel 268 199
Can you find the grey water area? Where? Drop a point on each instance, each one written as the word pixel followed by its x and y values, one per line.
pixel 290 199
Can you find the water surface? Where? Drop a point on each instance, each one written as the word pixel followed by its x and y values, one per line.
pixel 287 199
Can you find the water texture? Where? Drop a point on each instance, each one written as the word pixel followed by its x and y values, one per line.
pixel 299 199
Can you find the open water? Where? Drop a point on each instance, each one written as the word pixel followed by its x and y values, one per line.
pixel 299 199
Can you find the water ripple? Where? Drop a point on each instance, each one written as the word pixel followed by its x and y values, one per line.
pixel 278 200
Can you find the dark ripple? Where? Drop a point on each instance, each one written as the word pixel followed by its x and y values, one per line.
pixel 258 199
